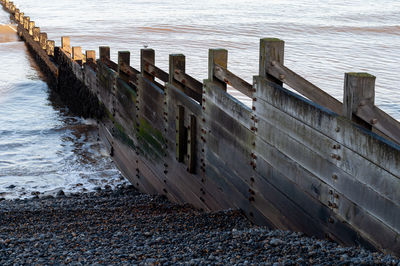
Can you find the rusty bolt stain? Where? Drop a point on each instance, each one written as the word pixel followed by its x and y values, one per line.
pixel 281 77
pixel 253 108
pixel 254 99
pixel 337 129
pixel 176 72
pixel 374 121
pixel 334 205
pixel 336 196
pixel 329 204
pixel 331 191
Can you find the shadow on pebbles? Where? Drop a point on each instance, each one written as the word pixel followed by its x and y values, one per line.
pixel 124 226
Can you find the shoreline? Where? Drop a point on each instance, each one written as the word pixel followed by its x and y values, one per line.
pixel 124 226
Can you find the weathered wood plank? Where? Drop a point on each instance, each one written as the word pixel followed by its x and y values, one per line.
pixel 304 87
pixel 155 71
pixel 352 163
pixel 380 120
pixel 231 79
pixel 372 147
pixel 190 82
pixel 228 104
pixel 338 203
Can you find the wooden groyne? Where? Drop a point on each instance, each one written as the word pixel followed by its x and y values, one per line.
pixel 313 164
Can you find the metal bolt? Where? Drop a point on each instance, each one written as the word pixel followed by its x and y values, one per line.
pixel 374 121
pixel 281 77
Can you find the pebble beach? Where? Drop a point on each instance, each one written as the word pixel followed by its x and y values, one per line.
pixel 125 227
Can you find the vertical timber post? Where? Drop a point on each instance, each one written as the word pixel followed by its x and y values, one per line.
pixel 359 89
pixel 50 47
pixel 66 44
pixel 21 18
pixel 91 56
pixel 124 59
pixel 77 54
pixel 147 56
pixel 16 15
pixel 271 51
pixel 220 57
pixel 36 34
pixel 43 40
pixel 177 63
pixel 104 52
pixel 26 22
pixel 31 26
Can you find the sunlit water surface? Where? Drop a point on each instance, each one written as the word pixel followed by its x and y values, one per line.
pixel 41 146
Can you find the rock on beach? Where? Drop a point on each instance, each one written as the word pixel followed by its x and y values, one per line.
pixel 126 227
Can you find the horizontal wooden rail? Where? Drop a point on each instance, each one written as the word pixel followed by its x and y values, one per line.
pixel 155 71
pixel 380 120
pixel 194 85
pixel 130 72
pixel 304 87
pixel 231 79
pixel 111 64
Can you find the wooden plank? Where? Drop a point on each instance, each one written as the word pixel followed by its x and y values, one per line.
pixel 271 49
pixel 361 194
pixel 228 104
pixel 155 71
pixel 190 82
pixel 367 144
pixel 304 87
pixel 220 57
pixel 387 185
pixel 233 188
pixel 112 65
pixel 231 79
pixel 380 120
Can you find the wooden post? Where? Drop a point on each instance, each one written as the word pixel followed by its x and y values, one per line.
pixel 149 56
pixel 43 40
pixel 104 52
pixel 50 47
pixel 21 18
pixel 124 57
pixel 220 57
pixel 91 56
pixel 77 54
pixel 271 50
pixel 66 44
pixel 31 26
pixel 176 63
pixel 359 89
pixel 16 15
pixel 36 33
pixel 26 22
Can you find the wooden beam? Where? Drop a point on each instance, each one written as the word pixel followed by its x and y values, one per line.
pixel 104 52
pixel 50 47
pixel 124 57
pixel 231 79
pixel 91 56
pixel 359 88
pixel 278 71
pixel 43 40
pixel 220 57
pixel 66 44
pixel 155 71
pixel 271 49
pixel 147 55
pixel 77 53
pixel 380 120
